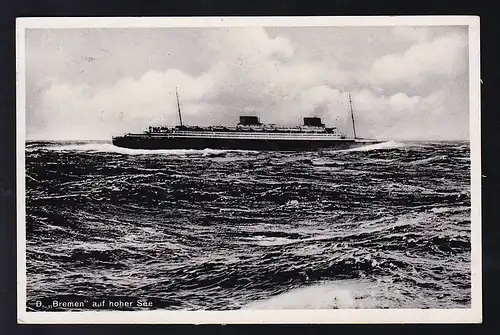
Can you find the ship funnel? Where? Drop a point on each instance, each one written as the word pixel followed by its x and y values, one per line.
pixel 313 122
pixel 249 121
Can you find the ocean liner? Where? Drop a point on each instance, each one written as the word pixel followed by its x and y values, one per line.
pixel 248 134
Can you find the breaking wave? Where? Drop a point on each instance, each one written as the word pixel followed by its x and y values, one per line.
pixel 110 148
pixel 384 226
pixel 379 146
pixel 317 296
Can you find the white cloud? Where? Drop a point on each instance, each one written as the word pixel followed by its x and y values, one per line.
pixel 249 71
pixel 442 56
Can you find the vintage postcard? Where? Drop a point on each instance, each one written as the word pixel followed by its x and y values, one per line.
pixel 249 170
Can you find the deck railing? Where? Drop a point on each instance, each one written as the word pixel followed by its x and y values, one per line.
pixel 241 135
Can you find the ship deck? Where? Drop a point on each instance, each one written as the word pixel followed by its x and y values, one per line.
pixel 242 135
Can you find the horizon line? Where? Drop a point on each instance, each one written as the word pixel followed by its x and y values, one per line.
pixel 380 139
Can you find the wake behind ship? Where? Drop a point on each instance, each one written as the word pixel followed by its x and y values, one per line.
pixel 248 134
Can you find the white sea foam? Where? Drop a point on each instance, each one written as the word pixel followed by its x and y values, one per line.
pixel 427 160
pixel 271 241
pixel 439 210
pixel 110 148
pixel 378 146
pixel 328 295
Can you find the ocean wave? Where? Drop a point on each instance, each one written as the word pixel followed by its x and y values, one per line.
pixel 379 146
pixel 215 229
pixel 318 296
pixel 341 294
pixel 439 158
pixel 110 148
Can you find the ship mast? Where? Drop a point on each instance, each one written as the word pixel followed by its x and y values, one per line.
pixel 352 117
pixel 178 106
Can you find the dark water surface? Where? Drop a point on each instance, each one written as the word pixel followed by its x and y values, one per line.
pixel 386 226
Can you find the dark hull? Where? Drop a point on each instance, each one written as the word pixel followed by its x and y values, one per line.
pixel 156 143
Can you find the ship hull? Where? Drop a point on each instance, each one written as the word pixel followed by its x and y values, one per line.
pixel 158 143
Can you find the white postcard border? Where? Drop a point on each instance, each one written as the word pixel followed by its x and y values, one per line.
pixel 470 315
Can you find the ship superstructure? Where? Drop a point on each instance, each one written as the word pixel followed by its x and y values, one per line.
pixel 249 134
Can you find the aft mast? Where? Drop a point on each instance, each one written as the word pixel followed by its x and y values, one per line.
pixel 352 117
pixel 178 106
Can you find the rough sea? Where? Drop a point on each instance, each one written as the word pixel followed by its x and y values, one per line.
pixel 384 226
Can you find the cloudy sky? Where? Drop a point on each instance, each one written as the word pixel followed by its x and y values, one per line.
pixel 405 82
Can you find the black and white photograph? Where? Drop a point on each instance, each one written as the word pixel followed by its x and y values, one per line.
pixel 226 170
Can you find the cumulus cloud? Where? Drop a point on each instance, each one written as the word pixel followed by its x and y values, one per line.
pixel 243 71
pixel 442 56
pixel 411 117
